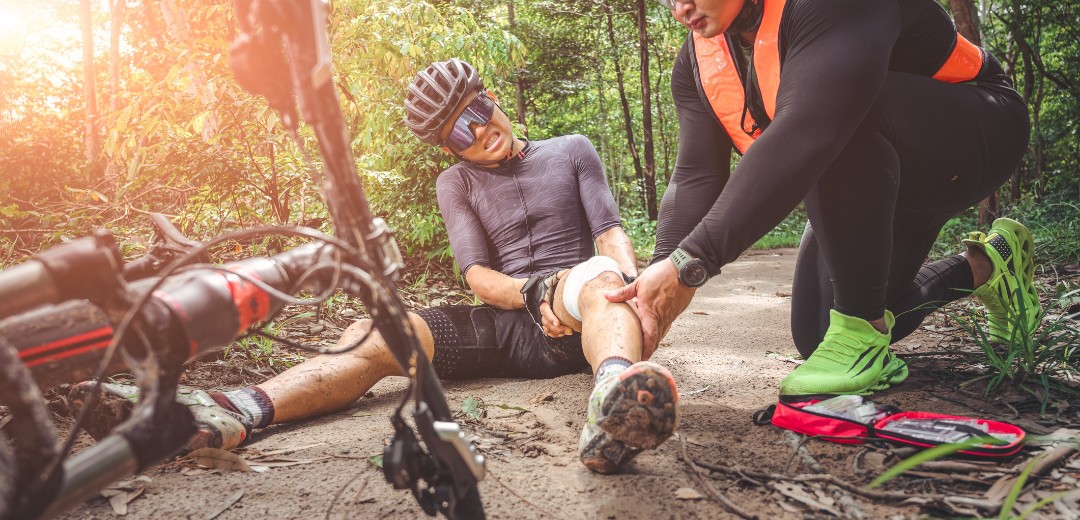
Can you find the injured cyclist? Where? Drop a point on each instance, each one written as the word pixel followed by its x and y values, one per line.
pixel 523 218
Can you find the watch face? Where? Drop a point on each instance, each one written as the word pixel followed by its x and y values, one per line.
pixel 694 274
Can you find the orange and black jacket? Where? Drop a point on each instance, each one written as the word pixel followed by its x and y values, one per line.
pixel 816 70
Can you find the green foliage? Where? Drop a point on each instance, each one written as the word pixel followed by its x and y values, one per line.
pixel 261 350
pixel 474 408
pixel 787 233
pixel 642 233
pixel 926 455
pixel 1036 361
pixel 185 139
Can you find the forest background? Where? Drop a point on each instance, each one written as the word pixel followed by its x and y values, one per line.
pixel 111 109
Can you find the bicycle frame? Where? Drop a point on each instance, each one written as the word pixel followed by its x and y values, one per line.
pixel 160 323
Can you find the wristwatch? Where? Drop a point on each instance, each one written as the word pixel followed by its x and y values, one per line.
pixel 692 271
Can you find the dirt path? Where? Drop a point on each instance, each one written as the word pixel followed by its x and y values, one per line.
pixel 728 353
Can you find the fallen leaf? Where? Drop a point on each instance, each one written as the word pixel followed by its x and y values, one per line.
pixel 287 449
pixel 776 355
pixel 685 493
pixel 544 397
pixel 698 391
pixel 282 462
pixel 376 460
pixel 120 494
pixel 121 499
pixel 219 459
pixel 799 494
pixel 225 507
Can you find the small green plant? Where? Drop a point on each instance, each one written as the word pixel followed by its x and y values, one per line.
pixel 1035 361
pixel 260 350
pixel 926 455
pixel 474 407
pixel 945 450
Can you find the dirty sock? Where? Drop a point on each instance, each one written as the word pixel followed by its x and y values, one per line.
pixel 251 402
pixel 613 365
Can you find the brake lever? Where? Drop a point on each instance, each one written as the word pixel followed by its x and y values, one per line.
pixel 168 244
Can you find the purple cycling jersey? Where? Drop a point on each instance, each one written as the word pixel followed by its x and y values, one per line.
pixel 538 213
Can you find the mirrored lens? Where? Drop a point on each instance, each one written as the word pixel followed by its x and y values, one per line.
pixel 478 112
pixel 670 4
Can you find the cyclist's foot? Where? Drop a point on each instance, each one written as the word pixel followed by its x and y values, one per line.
pixel 218 427
pixel 628 412
pixel 1009 294
pixel 853 358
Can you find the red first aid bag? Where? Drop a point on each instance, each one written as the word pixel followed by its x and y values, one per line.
pixel 850 419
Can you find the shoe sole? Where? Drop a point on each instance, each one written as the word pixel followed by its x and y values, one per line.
pixel 606 455
pixel 109 412
pixel 112 410
pixel 642 410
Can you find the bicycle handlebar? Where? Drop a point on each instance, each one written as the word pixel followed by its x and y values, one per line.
pixel 281 51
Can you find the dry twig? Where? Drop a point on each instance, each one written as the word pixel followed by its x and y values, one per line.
pixel 708 483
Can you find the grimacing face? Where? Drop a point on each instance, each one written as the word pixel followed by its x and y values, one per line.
pixel 493 140
pixel 708 18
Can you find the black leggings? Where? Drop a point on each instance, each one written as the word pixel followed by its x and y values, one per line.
pixel 926 151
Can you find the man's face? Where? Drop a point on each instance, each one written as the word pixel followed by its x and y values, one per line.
pixel 707 17
pixel 493 140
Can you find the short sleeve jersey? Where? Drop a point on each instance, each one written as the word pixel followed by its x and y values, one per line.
pixel 538 213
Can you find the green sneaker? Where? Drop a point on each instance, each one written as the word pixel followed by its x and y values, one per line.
pixel 218 427
pixel 629 412
pixel 853 358
pixel 1009 293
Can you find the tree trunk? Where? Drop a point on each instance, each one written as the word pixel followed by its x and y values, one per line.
pixel 665 140
pixel 179 29
pixel 967 24
pixel 89 90
pixel 1033 83
pixel 646 112
pixel 519 76
pixel 118 7
pixel 629 122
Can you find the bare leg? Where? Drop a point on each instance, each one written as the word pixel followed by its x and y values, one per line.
pixel 631 408
pixel 333 381
pixel 609 329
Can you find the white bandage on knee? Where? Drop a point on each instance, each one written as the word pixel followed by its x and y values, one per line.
pixel 580 275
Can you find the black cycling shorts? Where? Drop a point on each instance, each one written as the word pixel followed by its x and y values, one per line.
pixel 482 341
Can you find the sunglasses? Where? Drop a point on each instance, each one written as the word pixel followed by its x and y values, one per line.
pixel 670 4
pixel 478 112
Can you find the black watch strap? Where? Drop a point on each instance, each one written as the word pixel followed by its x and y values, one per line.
pixel 692 271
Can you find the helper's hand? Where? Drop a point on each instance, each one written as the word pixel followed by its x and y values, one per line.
pixel 660 299
pixel 548 321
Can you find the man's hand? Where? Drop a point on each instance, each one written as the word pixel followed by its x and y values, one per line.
pixel 660 299
pixel 548 321
pixel 538 292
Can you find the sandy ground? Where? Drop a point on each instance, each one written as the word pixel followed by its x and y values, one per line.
pixel 728 353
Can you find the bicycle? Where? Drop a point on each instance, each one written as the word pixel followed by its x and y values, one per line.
pixel 77 306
